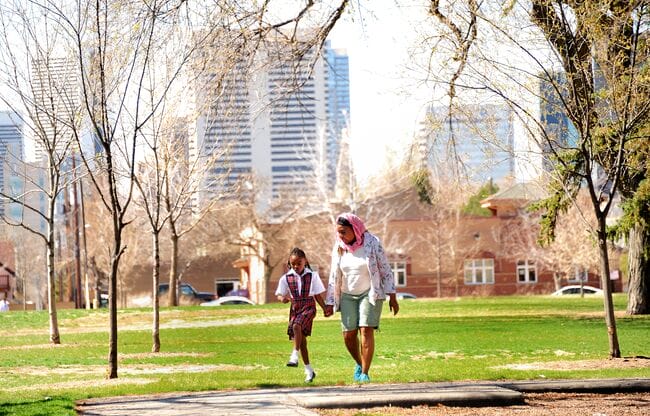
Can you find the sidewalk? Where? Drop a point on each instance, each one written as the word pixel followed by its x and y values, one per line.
pixel 298 401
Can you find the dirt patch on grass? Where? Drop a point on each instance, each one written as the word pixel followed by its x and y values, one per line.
pixel 139 322
pixel 81 383
pixel 436 355
pixel 95 375
pixel 120 356
pixel 131 369
pixel 616 363
pixel 45 346
pixel 148 355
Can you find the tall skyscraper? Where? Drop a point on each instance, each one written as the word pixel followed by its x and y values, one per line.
pixel 11 153
pixel 558 128
pixel 544 128
pixel 280 121
pixel 18 179
pixel 338 107
pixel 477 145
pixel 56 89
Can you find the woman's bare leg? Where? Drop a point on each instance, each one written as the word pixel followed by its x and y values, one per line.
pixel 367 347
pixel 352 344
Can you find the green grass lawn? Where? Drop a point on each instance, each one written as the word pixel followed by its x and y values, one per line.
pixel 238 347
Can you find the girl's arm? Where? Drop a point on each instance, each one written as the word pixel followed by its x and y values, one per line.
pixel 283 290
pixel 319 299
pixel 327 309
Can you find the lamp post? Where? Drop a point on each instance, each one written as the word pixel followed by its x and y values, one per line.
pixel 83 235
pixel 75 219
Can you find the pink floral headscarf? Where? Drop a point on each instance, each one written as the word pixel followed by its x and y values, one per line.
pixel 357 226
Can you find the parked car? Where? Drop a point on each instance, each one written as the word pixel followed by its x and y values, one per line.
pixel 404 295
pixel 229 300
pixel 187 291
pixel 575 290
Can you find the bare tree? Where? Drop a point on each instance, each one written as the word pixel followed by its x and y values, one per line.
pixel 150 180
pixel 440 237
pixel 573 249
pixel 598 47
pixel 115 43
pixel 39 86
pixel 170 180
pixel 198 170
pixel 114 80
pixel 136 237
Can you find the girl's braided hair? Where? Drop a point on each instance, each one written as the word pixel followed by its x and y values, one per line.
pixel 300 254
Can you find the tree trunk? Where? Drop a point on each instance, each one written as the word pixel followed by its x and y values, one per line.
pixel 51 295
pixel 268 272
pixel 610 320
pixel 67 269
pixel 51 273
pixel 112 278
pixel 155 333
pixel 557 280
pixel 173 268
pixel 78 301
pixel 438 264
pixel 112 310
pixel 638 293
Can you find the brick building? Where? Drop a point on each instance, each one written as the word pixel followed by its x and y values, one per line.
pixel 7 271
pixel 433 254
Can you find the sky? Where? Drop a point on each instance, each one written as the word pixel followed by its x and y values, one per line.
pixel 387 100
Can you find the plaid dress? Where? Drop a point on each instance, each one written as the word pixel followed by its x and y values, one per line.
pixel 303 306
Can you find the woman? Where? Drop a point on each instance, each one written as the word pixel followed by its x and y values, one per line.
pixel 360 278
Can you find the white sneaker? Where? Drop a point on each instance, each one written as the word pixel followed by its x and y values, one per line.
pixel 310 376
pixel 293 361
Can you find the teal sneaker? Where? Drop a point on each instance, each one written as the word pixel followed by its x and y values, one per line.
pixel 357 372
pixel 363 378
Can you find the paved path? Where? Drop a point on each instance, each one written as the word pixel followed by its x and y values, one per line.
pixel 298 401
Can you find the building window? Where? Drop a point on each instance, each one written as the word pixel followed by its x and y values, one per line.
pixel 222 287
pixel 580 274
pixel 479 271
pixel 526 271
pixel 399 271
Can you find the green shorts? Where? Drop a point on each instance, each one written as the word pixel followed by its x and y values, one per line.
pixel 357 311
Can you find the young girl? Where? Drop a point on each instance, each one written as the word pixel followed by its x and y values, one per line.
pixel 303 288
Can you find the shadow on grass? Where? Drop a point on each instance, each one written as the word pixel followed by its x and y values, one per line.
pixel 46 406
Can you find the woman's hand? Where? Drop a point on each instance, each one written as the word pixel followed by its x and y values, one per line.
pixel 392 303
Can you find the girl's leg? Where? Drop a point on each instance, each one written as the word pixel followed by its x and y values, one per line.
pixel 298 337
pixel 309 371
pixel 303 351
pixel 297 341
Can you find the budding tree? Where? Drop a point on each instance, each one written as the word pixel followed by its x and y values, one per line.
pixel 580 60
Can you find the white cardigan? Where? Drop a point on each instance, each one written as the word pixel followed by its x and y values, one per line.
pixel 382 281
